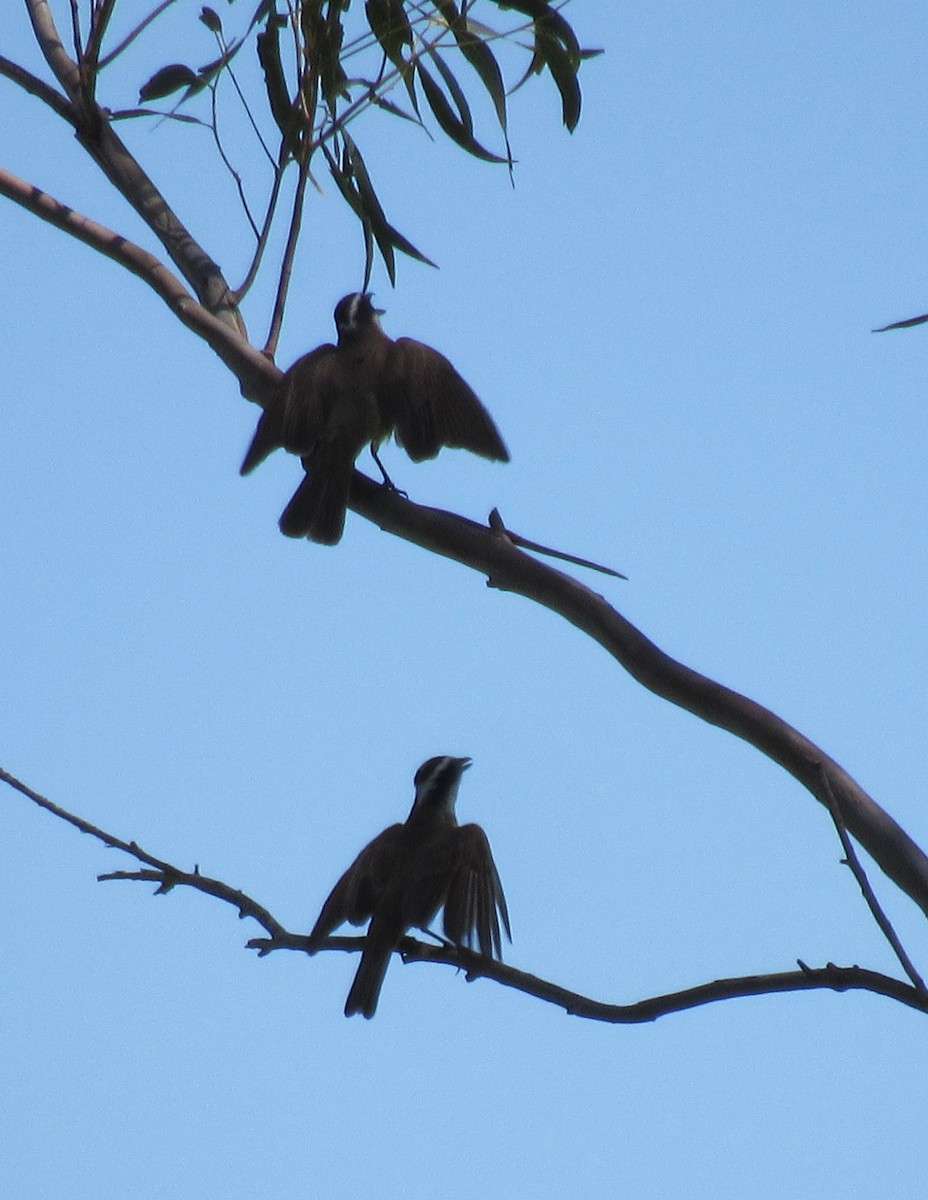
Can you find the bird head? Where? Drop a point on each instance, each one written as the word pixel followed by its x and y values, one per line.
pixel 436 783
pixel 355 312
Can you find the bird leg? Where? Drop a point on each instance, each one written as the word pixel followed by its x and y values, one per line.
pixel 387 481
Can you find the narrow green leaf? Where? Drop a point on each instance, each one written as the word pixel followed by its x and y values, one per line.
pixel 563 68
pixel 908 323
pixel 478 54
pixel 457 92
pixel 390 26
pixel 386 235
pixel 126 114
pixel 268 43
pixel 542 13
pixel 396 111
pixel 168 80
pixel 448 121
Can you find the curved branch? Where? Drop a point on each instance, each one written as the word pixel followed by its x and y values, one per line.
pixel 493 554
pixel 509 569
pixel 476 966
pixel 255 372
pixel 112 156
pixel 484 550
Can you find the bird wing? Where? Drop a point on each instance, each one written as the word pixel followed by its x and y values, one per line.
pixel 429 405
pixel 297 410
pixel 355 895
pixel 475 903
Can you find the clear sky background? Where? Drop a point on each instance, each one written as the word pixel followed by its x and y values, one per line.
pixel 670 319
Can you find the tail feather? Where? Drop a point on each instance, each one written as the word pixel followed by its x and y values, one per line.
pixel 317 507
pixel 365 991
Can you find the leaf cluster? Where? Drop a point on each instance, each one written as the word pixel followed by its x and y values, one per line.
pixel 407 59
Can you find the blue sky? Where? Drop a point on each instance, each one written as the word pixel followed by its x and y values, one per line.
pixel 669 317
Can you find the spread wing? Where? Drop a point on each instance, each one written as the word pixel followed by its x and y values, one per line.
pixel 475 903
pixel 429 405
pixel 354 896
pixel 297 411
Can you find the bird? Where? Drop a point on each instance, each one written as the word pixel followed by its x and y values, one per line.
pixel 336 400
pixel 407 873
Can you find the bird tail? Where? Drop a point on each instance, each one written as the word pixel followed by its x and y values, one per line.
pixel 365 991
pixel 317 507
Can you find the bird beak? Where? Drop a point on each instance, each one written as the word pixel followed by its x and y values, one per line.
pixel 378 311
pixel 465 763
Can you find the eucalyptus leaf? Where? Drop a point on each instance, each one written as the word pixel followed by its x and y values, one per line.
pixel 448 121
pixel 168 80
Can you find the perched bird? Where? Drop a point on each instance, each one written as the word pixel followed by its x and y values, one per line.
pixel 336 400
pixel 407 873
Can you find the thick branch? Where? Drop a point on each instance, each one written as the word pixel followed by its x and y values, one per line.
pixel 167 877
pixel 509 569
pixel 491 553
pixel 487 551
pixel 256 374
pixel 38 87
pixel 123 171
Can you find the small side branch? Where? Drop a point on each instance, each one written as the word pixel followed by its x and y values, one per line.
pixel 852 860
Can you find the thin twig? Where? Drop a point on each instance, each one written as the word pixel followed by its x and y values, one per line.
pixel 852 860
pixel 496 524
pixel 286 266
pixel 227 67
pixel 241 291
pixel 134 33
pixel 214 129
pixel 167 877
pixel 76 39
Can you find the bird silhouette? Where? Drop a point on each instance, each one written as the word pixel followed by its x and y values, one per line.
pixel 403 877
pixel 336 400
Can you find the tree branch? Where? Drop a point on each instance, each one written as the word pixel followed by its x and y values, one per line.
pixel 38 87
pixel 476 966
pixel 509 569
pixel 493 554
pixel 489 552
pixel 255 372
pixel 97 137
pixel 852 861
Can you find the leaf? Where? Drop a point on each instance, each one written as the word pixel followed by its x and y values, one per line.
pixel 355 185
pixel 282 110
pixel 126 114
pixel 563 68
pixel 478 54
pixel 542 13
pixel 451 124
pixel 396 111
pixel 322 44
pixel 390 26
pixel 457 92
pixel 906 324
pixel 210 19
pixel 211 69
pixel 168 80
